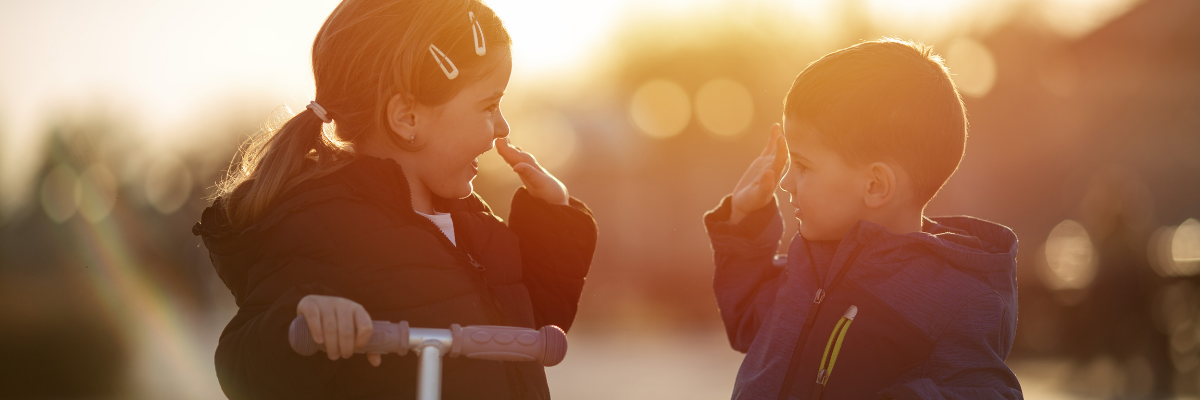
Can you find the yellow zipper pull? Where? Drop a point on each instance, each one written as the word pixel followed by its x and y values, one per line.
pixel 828 358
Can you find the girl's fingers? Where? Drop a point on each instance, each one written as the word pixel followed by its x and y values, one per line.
pixel 312 317
pixel 375 359
pixel 511 154
pixel 541 184
pixel 345 337
pixel 329 326
pixel 528 174
pixel 363 328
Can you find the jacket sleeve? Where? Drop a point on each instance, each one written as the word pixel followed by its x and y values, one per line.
pixel 557 244
pixel 746 279
pixel 255 360
pixel 967 361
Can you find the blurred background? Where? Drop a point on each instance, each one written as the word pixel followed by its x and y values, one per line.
pixel 118 116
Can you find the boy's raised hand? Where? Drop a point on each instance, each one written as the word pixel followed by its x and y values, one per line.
pixel 757 186
pixel 537 181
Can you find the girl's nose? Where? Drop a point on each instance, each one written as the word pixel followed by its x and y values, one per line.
pixel 502 128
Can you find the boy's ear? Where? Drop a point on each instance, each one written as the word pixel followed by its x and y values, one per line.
pixel 881 184
pixel 402 116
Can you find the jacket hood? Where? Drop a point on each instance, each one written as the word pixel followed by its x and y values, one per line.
pixel 233 250
pixel 982 249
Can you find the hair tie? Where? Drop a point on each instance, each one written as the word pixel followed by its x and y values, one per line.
pixel 320 111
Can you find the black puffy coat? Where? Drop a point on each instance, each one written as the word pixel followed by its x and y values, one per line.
pixel 354 234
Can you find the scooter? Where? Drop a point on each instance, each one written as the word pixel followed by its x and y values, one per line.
pixel 546 346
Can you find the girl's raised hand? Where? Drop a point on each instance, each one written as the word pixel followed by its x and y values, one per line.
pixel 340 324
pixel 537 181
pixel 758 183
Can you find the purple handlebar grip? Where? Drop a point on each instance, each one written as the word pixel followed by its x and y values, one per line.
pixel 387 338
pixel 547 346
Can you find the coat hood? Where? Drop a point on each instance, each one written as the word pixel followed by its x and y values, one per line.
pixel 982 249
pixel 233 250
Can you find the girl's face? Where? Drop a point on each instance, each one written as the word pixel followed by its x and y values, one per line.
pixel 454 134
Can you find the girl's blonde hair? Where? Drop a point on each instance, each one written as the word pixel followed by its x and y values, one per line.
pixel 366 52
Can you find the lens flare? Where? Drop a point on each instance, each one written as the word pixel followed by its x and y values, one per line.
pixel 169 358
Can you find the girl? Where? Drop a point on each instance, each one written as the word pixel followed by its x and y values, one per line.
pixel 374 215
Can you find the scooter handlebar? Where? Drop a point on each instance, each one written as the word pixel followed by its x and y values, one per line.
pixel 546 346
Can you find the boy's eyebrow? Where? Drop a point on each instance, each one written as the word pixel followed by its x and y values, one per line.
pixel 797 155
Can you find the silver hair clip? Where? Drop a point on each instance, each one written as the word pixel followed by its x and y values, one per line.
pixel 319 111
pixel 477 34
pixel 438 55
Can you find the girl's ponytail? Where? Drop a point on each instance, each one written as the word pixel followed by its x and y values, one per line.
pixel 273 162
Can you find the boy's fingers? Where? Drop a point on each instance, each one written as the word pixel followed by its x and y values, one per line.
pixel 770 147
pixel 766 183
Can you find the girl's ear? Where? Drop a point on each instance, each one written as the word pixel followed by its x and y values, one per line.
pixel 881 185
pixel 402 116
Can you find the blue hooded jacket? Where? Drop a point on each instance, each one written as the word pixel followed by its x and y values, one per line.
pixel 936 310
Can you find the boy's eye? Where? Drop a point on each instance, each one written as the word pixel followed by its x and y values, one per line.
pixel 798 165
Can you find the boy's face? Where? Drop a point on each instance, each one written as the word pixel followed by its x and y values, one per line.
pixel 827 192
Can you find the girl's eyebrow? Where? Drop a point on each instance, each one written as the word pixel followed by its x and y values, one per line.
pixel 493 97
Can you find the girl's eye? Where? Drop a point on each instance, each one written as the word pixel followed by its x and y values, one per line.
pixel 493 107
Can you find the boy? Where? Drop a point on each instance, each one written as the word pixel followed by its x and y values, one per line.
pixel 902 305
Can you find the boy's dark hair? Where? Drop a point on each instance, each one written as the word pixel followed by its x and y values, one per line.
pixel 885 100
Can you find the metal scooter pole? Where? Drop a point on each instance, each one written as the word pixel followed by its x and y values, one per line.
pixel 546 346
pixel 431 345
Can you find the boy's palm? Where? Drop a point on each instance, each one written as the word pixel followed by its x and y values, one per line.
pixel 757 186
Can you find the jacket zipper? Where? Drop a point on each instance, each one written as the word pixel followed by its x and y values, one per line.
pixel 793 368
pixel 495 309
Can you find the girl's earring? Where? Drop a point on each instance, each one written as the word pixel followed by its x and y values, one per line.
pixel 412 138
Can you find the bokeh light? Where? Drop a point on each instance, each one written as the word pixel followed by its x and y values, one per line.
pixel 724 107
pixel 549 136
pixel 60 193
pixel 168 184
pixel 1175 250
pixel 660 108
pixel 1070 261
pixel 1185 247
pixel 98 193
pixel 972 65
